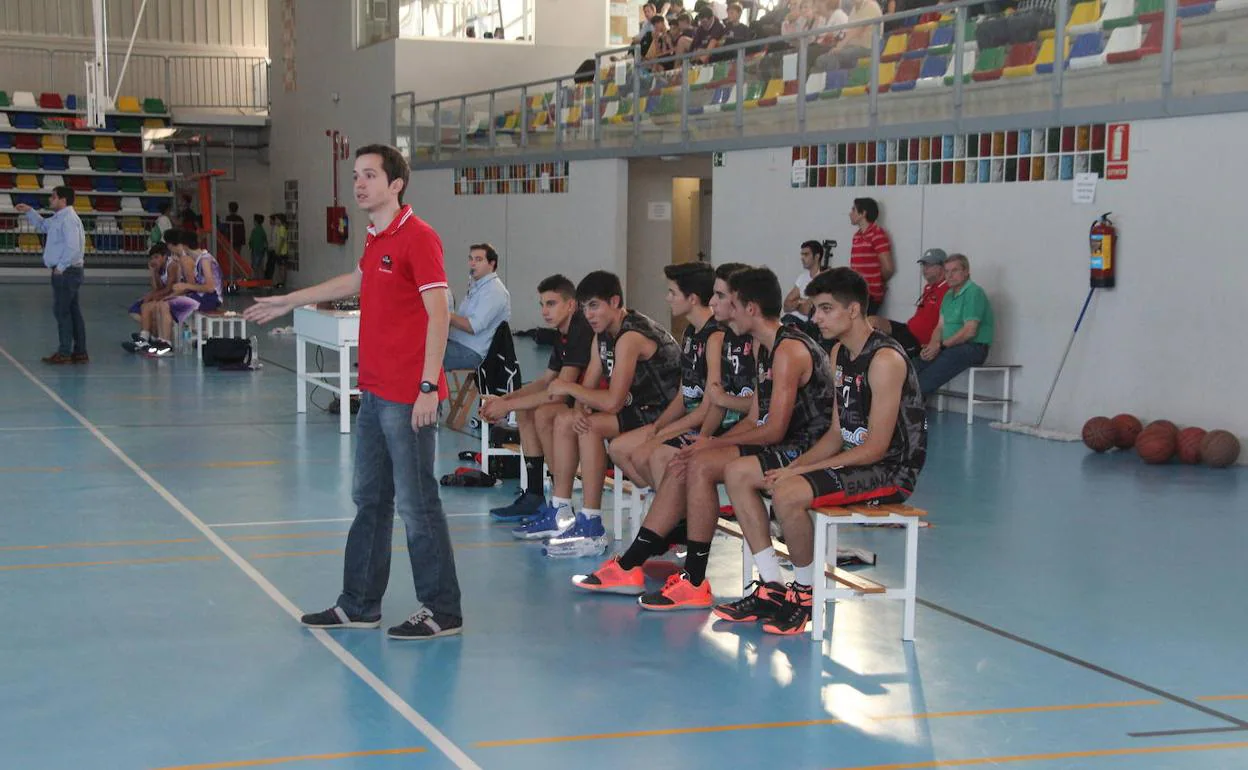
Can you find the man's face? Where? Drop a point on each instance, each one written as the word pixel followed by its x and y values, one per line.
pixel 600 313
pixel 705 23
pixel 808 258
pixel 956 274
pixel 734 15
pixel 372 191
pixel 739 318
pixel 933 273
pixel 648 10
pixel 721 304
pixel 478 265
pixel 855 216
pixel 680 304
pixel 556 309
pixel 56 202
pixel 832 317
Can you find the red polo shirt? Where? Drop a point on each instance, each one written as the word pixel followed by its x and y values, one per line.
pixel 927 314
pixel 864 257
pixel 399 264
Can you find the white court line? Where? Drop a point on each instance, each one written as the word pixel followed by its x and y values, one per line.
pixel 317 521
pixel 435 736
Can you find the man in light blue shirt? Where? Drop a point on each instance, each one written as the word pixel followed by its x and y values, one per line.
pixel 486 305
pixel 62 254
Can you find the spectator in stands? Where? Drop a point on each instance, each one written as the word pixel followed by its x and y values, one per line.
pixel 856 43
pixel 535 407
pixel 829 14
pixel 486 305
pixel 661 44
pixel 872 251
pixel 63 254
pixel 917 332
pixel 965 332
pixel 708 35
pixel 1022 26
pixel 801 18
pixel 163 225
pixel 682 35
pixel 236 227
pixel 259 245
pixel 734 30
pixel 645 29
pixel 796 303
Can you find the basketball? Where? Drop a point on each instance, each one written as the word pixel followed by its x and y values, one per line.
pixel 1155 445
pixel 1189 445
pixel 1127 428
pixel 1219 448
pixel 1165 425
pixel 1098 434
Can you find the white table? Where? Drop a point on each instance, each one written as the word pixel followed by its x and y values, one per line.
pixel 337 330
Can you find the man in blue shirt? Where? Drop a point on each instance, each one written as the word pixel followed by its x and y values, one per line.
pixel 486 305
pixel 62 254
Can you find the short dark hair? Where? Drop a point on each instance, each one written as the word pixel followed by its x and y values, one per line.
pixel 845 285
pixel 392 162
pixel 65 193
pixel 233 207
pixel 491 255
pixel 725 271
pixel 172 236
pixel 760 286
pixel 160 247
pixel 164 207
pixel 816 247
pixel 684 16
pixel 258 218
pixel 696 278
pixel 868 208
pixel 558 283
pixel 599 285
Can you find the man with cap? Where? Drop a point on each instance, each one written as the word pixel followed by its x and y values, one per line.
pixel 917 332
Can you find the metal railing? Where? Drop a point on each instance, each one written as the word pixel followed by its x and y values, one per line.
pixel 732 100
pixel 187 81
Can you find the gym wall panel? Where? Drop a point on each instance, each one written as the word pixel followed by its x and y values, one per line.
pixel 234 24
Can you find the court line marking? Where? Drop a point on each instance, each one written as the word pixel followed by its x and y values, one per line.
pixel 181 540
pixel 281 522
pixel 307 758
pixel 1132 751
pixel 109 563
pixel 1223 697
pixel 1186 731
pixel 1177 699
pixel 413 717
pixel 811 723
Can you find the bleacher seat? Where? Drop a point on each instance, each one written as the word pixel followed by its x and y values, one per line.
pixel 129 144
pixel 6 202
pixel 128 104
pixel 1045 60
pixel 50 101
pixel 52 180
pixel 989 64
pixel 54 142
pixel 79 183
pixel 26 142
pixel 55 162
pixel 1197 9
pixel 1149 11
pixel 4 99
pixel 104 163
pixel 79 143
pixel 27 162
pixel 1124 44
pixel 1087 52
pixel 916 45
pixel 24 120
pixel 6 142
pixel 27 182
pixel 932 73
pixel 1085 17
pixel 105 144
pixel 106 203
pixel 858 83
pixel 1021 60
pixel 4 121
pixel 152 205
pixel 907 75
pixel 28 242
pixel 154 106
pixel 132 184
pixel 129 165
pixel 24 99
pixel 6 182
pixel 34 200
pixel 834 83
pixel 79 163
pixel 131 205
pixel 942 41
pixel 71 102
pixel 106 184
pixel 82 204
pixel 895 46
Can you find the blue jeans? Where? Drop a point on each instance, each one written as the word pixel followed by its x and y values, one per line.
pixel 460 356
pixel 394 473
pixel 949 364
pixel 71 330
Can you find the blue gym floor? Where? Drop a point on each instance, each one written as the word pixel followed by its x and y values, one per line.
pixel 156 540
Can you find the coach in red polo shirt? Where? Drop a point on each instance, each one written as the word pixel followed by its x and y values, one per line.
pixel 404 318
pixel 872 253
pixel 916 332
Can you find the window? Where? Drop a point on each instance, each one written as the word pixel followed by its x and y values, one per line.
pixel 375 21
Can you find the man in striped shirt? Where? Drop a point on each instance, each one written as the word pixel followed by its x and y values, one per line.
pixel 872 252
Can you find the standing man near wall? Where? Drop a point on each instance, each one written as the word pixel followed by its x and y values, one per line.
pixel 404 317
pixel 62 254
pixel 872 252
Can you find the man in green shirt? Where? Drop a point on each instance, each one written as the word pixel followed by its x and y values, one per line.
pixel 964 334
pixel 259 245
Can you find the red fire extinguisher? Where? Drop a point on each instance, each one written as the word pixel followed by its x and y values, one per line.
pixel 1103 242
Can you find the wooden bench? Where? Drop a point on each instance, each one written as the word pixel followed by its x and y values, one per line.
pixel 836 583
pixel 972 396
pixel 506 450
pixel 463 387
pixel 627 499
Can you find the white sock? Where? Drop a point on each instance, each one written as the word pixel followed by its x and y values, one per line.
pixel 768 565
pixel 143 334
pixel 592 513
pixel 804 575
pixel 558 502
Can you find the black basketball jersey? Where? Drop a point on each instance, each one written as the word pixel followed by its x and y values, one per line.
pixel 572 349
pixel 693 363
pixel 737 371
pixel 907 450
pixel 812 409
pixel 655 380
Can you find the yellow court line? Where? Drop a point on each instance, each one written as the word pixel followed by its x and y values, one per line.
pixel 396 549
pixel 1135 751
pixel 117 562
pixel 1223 697
pixel 809 723
pixel 308 758
pixel 101 545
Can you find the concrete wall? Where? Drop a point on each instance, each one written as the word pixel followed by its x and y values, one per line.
pixel 1164 343
pixel 241 25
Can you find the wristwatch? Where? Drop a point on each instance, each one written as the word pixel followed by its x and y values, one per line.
pixel 428 387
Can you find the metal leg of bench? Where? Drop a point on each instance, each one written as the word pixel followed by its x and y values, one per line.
pixel 910 591
pixel 617 502
pixel 970 396
pixel 825 543
pixel 1005 408
pixel 747 565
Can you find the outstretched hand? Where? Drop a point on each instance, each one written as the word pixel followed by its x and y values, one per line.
pixel 268 308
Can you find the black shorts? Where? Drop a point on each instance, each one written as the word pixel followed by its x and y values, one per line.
pixel 772 458
pixel 900 332
pixel 687 438
pixel 862 485
pixel 874 305
pixel 631 418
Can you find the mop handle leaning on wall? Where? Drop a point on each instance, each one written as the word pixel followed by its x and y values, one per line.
pixel 1069 343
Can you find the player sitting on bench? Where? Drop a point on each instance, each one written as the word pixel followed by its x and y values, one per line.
pixel 871 455
pixel 164 269
pixel 641 363
pixel 791 409
pixel 533 404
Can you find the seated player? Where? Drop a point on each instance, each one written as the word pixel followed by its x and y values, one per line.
pixel 871 455
pixel 641 363
pixel 533 404
pixel 791 409
pixel 689 288
pixel 199 288
pixel 164 270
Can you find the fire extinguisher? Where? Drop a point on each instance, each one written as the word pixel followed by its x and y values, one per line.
pixel 1103 243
